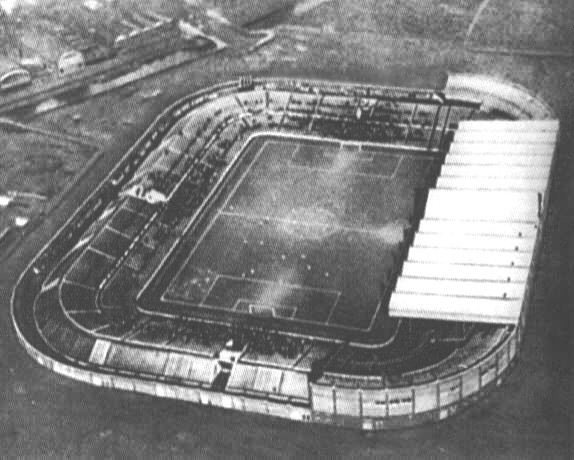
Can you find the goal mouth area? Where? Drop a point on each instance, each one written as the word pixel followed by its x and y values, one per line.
pixel 265 310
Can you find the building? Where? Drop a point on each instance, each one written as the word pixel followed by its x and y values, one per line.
pixel 70 62
pixel 12 75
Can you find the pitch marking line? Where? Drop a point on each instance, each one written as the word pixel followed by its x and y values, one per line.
pixel 339 173
pixel 333 308
pixel 184 302
pixel 288 285
pixel 293 318
pixel 215 218
pixel 375 315
pixel 209 289
pixel 397 167
pixel 272 306
pixel 331 154
pixel 358 157
pixel 274 309
pixel 225 213
pixel 299 222
pixel 178 300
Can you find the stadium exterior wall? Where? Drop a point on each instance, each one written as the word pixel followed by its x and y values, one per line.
pixel 365 409
pixel 350 407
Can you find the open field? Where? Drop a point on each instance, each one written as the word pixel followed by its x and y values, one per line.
pixel 44 415
pixel 522 24
pixel 32 162
pixel 35 167
pixel 412 18
pixel 280 241
pixel 527 25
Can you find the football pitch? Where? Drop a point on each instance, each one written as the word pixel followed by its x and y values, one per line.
pixel 303 232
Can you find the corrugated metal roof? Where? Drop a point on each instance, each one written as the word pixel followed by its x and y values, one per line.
pixel 508 125
pixel 501 148
pixel 471 256
pixel 437 270
pixel 452 308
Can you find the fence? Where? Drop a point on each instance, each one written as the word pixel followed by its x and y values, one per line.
pixel 196 395
pixel 381 408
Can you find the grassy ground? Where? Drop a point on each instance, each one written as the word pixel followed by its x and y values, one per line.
pixel 33 163
pixel 298 217
pixel 530 24
pixel 433 19
pixel 526 24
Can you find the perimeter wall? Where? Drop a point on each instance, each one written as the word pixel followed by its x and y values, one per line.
pixel 371 407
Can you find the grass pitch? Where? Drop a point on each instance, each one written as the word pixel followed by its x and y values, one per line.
pixel 304 231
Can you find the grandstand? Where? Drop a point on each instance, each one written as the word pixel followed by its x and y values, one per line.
pixel 325 252
pixel 514 200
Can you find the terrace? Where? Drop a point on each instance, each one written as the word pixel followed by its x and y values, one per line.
pixel 276 320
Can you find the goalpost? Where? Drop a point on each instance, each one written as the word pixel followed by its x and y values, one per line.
pixel 272 311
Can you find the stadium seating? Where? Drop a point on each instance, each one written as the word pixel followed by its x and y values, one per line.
pixel 272 382
pixel 508 126
pixel 75 297
pixel 499 160
pixel 190 367
pixel 452 271
pixel 501 149
pixel 460 288
pixel 469 260
pixel 440 240
pixel 135 359
pixel 471 256
pixel 58 330
pixel 492 183
pixel 100 351
pixel 472 227
pixel 488 171
pixel 90 269
pixel 527 135
pixel 470 353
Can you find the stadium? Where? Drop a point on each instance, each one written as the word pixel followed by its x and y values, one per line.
pixel 324 252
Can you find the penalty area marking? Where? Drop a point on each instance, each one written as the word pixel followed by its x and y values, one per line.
pixel 263 307
pixel 208 292
pixel 218 213
pixel 178 300
pixel 280 286
pixel 336 227
pixel 288 285
pixel 357 159
pixel 325 291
